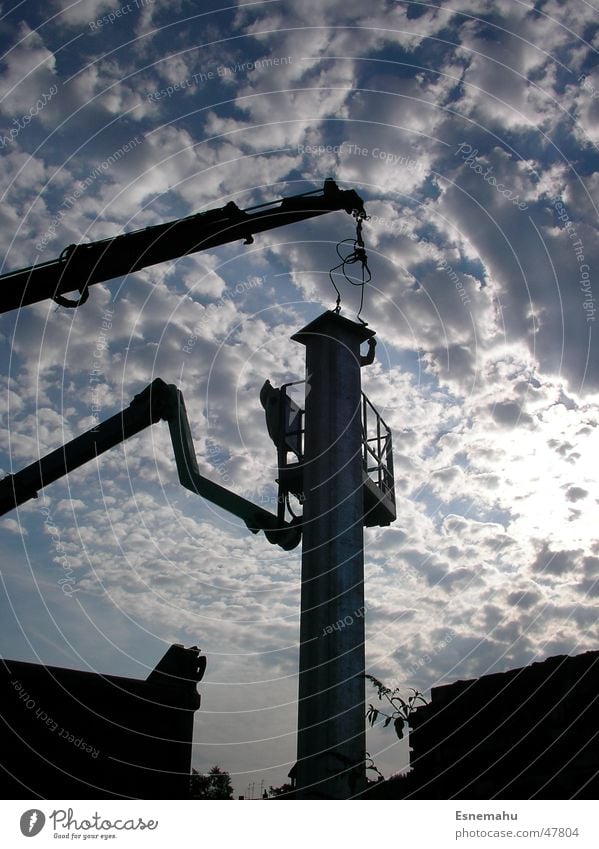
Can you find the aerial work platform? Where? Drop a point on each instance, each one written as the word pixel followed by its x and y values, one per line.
pixel 377 452
pixel 286 425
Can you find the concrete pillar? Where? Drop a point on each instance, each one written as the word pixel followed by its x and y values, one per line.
pixel 331 721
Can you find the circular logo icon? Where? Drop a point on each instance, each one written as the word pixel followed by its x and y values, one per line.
pixel 32 822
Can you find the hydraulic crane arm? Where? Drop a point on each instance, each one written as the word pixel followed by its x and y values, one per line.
pixel 80 266
pixel 157 401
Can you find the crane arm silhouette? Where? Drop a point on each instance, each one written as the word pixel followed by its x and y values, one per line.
pixel 80 266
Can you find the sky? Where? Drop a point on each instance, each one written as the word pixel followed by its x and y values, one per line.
pixel 471 133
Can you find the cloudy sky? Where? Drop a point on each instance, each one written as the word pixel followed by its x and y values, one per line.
pixel 472 136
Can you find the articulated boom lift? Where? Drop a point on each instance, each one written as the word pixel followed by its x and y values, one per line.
pixel 157 401
pixel 80 266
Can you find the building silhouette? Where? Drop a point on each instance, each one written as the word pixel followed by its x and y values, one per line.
pixel 68 734
pixel 525 733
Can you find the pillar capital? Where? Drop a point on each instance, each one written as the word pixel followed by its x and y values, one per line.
pixel 332 324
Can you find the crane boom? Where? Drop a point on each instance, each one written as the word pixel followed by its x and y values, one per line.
pixel 80 266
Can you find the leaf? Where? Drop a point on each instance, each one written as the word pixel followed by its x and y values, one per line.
pixel 387 721
pixel 372 714
pixel 399 724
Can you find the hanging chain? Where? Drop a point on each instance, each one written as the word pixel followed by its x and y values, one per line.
pixel 358 254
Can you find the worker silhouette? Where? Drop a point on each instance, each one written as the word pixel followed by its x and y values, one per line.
pixel 368 358
pixel 270 398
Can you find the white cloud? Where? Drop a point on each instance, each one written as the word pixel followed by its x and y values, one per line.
pixel 483 369
pixel 14 527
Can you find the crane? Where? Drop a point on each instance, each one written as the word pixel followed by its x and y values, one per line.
pixel 79 266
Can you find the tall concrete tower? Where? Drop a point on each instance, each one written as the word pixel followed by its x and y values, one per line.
pixel 331 722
